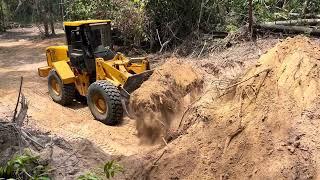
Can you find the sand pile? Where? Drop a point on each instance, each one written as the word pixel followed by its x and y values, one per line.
pixel 160 99
pixel 264 126
pixel 294 70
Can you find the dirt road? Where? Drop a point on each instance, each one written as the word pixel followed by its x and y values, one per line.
pixel 21 53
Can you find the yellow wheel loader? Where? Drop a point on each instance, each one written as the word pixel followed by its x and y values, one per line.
pixel 88 67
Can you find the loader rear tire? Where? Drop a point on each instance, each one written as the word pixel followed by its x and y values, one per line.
pixel 104 101
pixel 60 93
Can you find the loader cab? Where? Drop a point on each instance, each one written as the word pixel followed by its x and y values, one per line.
pixel 88 40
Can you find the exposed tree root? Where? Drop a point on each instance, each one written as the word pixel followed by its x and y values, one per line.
pixel 231 137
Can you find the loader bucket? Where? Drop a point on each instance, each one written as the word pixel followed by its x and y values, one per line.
pixel 135 81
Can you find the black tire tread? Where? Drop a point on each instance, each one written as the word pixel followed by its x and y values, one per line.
pixel 68 90
pixel 68 94
pixel 116 111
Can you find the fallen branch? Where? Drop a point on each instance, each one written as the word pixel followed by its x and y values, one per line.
pixel 165 142
pixel 294 22
pixel 15 126
pixel 243 81
pixel 289 29
pixel 25 136
pixel 260 84
pixel 158 159
pixel 154 164
pixel 297 15
pixel 16 108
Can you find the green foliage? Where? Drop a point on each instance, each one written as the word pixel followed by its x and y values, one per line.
pixel 111 168
pixel 140 20
pixel 80 9
pixel 89 176
pixel 176 19
pixel 9 8
pixel 24 166
pixel 127 16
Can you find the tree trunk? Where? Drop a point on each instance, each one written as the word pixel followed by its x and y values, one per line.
pixel 305 7
pixel 250 17
pixel 46 27
pixel 51 18
pixel 289 29
pixel 44 16
pixel 18 7
pixel 295 22
pixel 52 28
pixel 2 23
pixel 297 15
pixel 62 9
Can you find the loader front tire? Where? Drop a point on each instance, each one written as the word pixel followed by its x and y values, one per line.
pixel 60 93
pixel 104 101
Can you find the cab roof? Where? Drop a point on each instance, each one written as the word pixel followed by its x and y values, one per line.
pixel 79 23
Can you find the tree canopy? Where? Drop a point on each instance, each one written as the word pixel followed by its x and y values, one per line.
pixel 149 20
